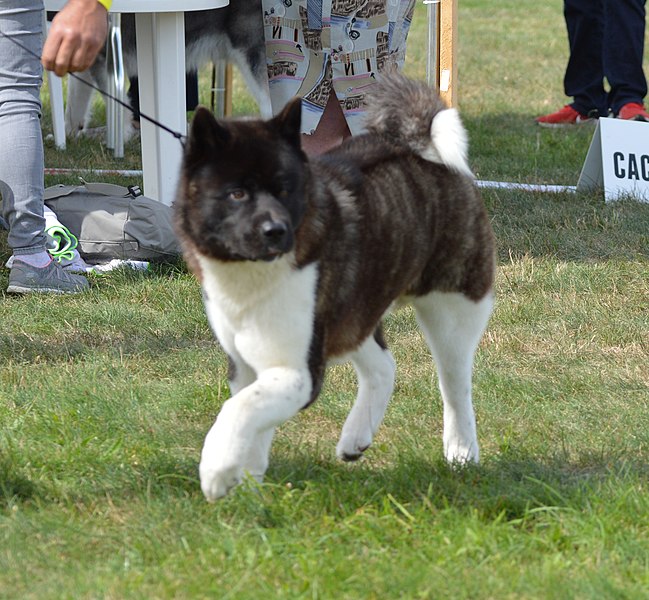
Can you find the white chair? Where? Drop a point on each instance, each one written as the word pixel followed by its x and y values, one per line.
pixel 116 87
pixel 56 102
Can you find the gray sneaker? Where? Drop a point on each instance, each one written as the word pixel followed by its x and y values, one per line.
pixel 25 279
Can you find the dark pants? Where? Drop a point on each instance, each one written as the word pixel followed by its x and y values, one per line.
pixel 606 41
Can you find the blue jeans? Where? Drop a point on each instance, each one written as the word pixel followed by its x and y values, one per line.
pixel 606 41
pixel 21 143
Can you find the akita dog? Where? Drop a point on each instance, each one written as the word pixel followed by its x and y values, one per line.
pixel 300 259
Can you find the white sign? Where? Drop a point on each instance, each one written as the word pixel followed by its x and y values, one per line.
pixel 618 160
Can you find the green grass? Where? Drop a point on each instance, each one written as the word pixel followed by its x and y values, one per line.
pixel 105 400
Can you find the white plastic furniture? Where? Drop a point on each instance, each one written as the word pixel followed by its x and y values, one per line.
pixel 114 115
pixel 56 102
pixel 160 33
pixel 116 86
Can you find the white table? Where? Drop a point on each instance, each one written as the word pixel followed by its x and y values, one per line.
pixel 160 33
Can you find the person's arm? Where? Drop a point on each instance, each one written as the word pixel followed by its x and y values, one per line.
pixel 77 34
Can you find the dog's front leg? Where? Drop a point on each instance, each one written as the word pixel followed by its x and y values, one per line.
pixel 241 436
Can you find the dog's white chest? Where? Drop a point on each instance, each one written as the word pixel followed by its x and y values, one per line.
pixel 263 311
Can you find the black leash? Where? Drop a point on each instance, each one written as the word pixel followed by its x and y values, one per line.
pixel 179 136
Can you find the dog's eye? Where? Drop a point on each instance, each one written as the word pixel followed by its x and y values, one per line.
pixel 238 195
pixel 285 188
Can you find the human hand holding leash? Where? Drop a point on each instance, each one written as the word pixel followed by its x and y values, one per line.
pixel 77 34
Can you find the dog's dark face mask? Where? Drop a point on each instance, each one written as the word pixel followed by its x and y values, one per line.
pixel 242 190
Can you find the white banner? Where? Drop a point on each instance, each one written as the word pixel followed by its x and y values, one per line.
pixel 618 160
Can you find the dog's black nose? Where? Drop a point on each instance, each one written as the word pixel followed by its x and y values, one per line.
pixel 274 231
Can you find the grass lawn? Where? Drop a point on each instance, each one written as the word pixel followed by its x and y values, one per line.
pixel 105 400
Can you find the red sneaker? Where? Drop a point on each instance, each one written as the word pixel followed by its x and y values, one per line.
pixel 633 111
pixel 563 118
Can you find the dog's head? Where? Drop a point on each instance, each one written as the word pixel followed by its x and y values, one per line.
pixel 242 188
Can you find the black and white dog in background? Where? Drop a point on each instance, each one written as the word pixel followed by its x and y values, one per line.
pixel 234 33
pixel 299 261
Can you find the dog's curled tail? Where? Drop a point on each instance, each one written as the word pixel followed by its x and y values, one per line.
pixel 412 114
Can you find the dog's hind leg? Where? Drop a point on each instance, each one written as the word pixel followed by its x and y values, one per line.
pixel 453 325
pixel 375 369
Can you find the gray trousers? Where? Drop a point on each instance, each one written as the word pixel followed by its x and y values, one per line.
pixel 21 142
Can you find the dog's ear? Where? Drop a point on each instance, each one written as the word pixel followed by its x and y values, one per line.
pixel 206 135
pixel 289 120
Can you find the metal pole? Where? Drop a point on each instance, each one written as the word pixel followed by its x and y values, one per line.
pixel 219 88
pixel 116 86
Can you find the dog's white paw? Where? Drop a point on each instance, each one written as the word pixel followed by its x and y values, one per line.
pixel 352 444
pixel 216 482
pixel 461 452
pixel 230 455
pixel 223 456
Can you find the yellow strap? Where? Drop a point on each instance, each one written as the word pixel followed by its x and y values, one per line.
pixel 105 3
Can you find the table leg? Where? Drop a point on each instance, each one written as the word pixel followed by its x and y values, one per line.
pixel 56 101
pixel 161 73
pixel 116 86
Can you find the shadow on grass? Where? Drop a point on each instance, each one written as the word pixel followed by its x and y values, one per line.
pixel 15 486
pixel 508 487
pixel 27 349
pixel 505 486
pixel 567 227
pixel 163 477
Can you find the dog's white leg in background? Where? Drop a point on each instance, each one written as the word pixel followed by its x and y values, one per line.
pixel 256 463
pixel 453 325
pixel 240 374
pixel 77 108
pixel 244 427
pixel 375 369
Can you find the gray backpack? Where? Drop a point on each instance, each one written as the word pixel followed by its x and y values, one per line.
pixel 111 221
